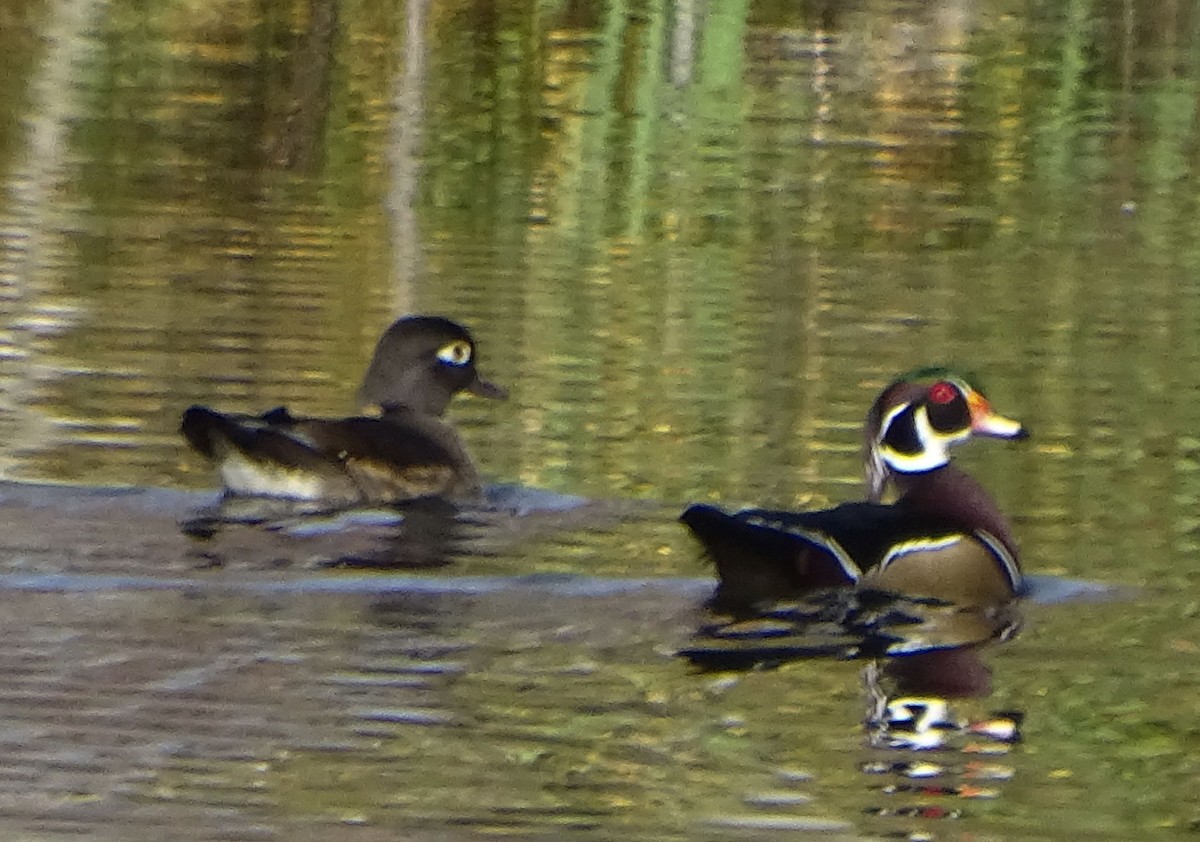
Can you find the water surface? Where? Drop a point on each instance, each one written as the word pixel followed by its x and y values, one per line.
pixel 693 242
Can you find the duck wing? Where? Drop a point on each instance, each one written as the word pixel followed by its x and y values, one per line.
pixel 403 455
pixel 396 457
pixel 763 555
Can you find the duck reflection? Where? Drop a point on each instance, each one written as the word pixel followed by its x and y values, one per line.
pixel 929 746
pixel 927 755
pixel 923 643
pixel 415 535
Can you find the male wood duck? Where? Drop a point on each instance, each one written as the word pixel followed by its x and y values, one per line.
pixel 402 451
pixel 944 537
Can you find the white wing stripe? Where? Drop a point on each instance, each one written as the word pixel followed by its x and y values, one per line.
pixel 849 568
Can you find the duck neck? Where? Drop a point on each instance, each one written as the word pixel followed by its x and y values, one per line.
pixel 413 390
pixel 950 492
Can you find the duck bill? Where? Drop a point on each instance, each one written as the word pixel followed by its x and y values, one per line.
pixel 486 389
pixel 985 422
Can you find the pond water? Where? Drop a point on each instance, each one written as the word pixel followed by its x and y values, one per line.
pixel 693 240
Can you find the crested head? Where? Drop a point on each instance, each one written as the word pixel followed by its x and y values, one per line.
pixel 420 363
pixel 918 417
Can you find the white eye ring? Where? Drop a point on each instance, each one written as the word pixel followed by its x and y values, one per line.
pixel 457 352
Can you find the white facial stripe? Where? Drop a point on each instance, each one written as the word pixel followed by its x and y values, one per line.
pixel 890 417
pixel 934 451
pixel 876 466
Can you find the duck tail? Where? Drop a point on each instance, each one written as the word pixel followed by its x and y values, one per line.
pixel 758 563
pixel 207 430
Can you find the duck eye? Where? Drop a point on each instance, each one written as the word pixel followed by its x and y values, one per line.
pixel 942 392
pixel 457 352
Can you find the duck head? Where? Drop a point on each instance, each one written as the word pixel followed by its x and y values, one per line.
pixel 917 419
pixel 420 363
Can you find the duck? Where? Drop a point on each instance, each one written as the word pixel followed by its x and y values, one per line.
pixel 942 538
pixel 399 449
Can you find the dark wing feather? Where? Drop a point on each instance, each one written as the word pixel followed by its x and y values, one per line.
pixel 865 531
pixel 399 456
pixel 764 555
pixel 212 433
pixel 372 439
pixel 760 558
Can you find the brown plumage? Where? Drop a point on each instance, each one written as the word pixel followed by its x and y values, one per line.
pixel 406 451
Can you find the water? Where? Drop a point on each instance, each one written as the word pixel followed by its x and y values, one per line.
pixel 693 242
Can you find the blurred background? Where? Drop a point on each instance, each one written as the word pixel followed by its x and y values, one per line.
pixel 692 238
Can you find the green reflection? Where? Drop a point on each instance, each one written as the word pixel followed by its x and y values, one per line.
pixel 693 238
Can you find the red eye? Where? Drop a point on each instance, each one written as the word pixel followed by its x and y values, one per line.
pixel 942 392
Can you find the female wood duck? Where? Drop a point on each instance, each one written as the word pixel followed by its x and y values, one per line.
pixel 402 452
pixel 944 537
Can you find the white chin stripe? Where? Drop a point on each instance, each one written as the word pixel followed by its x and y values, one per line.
pixel 914 463
pixel 934 452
